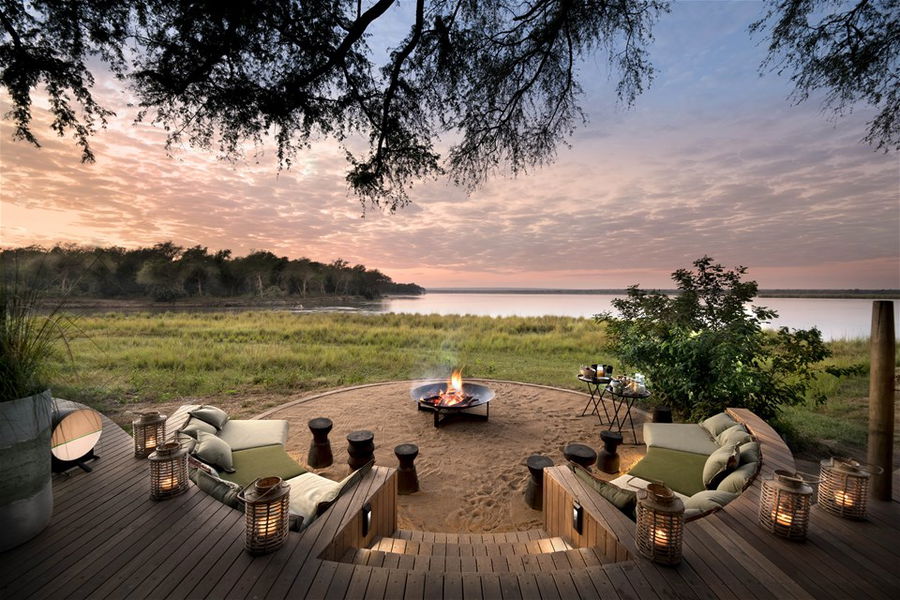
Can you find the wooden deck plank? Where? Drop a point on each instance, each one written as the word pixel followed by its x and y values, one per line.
pixel 415 586
pixel 340 582
pixel 509 586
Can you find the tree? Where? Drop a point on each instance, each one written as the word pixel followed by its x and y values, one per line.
pixel 852 54
pixel 498 75
pixel 704 348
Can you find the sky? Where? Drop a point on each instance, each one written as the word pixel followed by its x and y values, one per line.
pixel 712 160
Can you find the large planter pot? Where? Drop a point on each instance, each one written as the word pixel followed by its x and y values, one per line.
pixel 26 492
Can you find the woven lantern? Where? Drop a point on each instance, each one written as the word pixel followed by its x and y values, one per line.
pixel 844 487
pixel 660 524
pixel 266 512
pixel 168 471
pixel 149 432
pixel 784 505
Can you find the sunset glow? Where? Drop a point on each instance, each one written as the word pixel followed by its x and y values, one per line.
pixel 712 160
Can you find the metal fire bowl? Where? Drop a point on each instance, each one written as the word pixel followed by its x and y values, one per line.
pixel 482 393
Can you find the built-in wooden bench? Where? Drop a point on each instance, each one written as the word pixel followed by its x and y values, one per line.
pixel 107 539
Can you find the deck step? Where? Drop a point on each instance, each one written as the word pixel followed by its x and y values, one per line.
pixel 576 558
pixel 404 546
pixel 471 538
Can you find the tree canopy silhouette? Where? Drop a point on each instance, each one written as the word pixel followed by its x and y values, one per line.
pixel 497 78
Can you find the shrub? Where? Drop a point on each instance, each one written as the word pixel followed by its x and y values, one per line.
pixel 704 348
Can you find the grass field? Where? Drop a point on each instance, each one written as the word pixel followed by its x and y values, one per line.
pixel 126 359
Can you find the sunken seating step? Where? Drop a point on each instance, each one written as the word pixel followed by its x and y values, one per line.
pixel 422 548
pixel 562 560
pixel 470 538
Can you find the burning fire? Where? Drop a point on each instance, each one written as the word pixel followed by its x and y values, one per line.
pixel 453 394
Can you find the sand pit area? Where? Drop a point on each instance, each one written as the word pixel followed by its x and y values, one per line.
pixel 472 474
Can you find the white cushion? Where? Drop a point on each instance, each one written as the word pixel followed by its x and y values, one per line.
pixel 738 478
pixel 734 435
pixel 309 490
pixel 719 464
pixel 709 499
pixel 244 434
pixel 716 424
pixel 686 437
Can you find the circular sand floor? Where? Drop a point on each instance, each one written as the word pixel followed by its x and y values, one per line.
pixel 472 474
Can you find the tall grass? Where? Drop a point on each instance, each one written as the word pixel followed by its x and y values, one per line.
pixel 128 358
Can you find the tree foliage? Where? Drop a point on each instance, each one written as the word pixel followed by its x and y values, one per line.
pixel 167 272
pixel 497 80
pixel 851 50
pixel 704 348
pixel 498 76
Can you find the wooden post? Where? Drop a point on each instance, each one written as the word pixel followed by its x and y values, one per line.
pixel 882 347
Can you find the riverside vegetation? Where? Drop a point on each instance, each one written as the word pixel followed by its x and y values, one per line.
pixel 262 358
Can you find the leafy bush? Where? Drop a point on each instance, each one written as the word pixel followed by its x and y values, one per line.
pixel 703 348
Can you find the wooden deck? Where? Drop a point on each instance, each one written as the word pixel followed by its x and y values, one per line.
pixel 107 539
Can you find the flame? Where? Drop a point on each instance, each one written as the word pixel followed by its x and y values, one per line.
pixel 456 382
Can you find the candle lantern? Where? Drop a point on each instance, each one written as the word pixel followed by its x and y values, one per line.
pixel 784 505
pixel 266 503
pixel 660 524
pixel 844 487
pixel 168 471
pixel 149 432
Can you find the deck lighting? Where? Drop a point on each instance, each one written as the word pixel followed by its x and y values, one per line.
pixel 784 505
pixel 266 503
pixel 366 519
pixel 168 471
pixel 844 487
pixel 660 524
pixel 149 432
pixel 577 517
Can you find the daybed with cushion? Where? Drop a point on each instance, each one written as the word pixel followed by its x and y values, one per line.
pixel 227 455
pixel 707 464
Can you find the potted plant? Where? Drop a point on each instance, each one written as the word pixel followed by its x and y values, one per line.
pixel 28 339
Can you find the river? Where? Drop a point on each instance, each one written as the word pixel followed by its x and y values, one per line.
pixel 836 318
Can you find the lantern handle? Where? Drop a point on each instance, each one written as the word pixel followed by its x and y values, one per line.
pixel 867 467
pixel 271 489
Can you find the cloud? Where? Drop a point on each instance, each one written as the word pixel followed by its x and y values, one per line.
pixel 712 160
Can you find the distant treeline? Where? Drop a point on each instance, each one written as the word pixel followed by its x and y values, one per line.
pixel 166 272
pixel 774 293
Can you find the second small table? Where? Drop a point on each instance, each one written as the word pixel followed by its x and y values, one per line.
pixel 624 398
pixel 597 387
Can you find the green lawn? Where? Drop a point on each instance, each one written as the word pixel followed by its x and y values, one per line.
pixel 121 359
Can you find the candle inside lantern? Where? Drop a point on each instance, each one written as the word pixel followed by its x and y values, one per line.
pixel 150 441
pixel 783 518
pixel 167 483
pixel 660 536
pixel 842 498
pixel 267 527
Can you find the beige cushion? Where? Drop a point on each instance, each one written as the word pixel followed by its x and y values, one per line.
pixel 735 481
pixel 245 434
pixel 708 500
pixel 749 453
pixel 719 464
pixel 733 435
pixel 685 437
pixel 716 424
pixel 195 425
pixel 212 415
pixel 213 450
pixel 311 494
pixel 630 482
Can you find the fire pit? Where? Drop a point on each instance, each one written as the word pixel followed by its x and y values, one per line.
pixel 454 399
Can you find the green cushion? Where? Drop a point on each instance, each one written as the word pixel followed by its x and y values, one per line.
pixel 265 461
pixel 734 435
pixel 716 424
pixel 210 449
pixel 749 453
pixel 719 464
pixel 708 500
pixel 680 471
pixel 212 415
pixel 624 500
pixel 224 491
pixel 195 425
pixel 738 478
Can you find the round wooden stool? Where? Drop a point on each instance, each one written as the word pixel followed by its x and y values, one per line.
pixel 608 459
pixel 581 455
pixel 320 455
pixel 361 448
pixel 407 478
pixel 534 493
